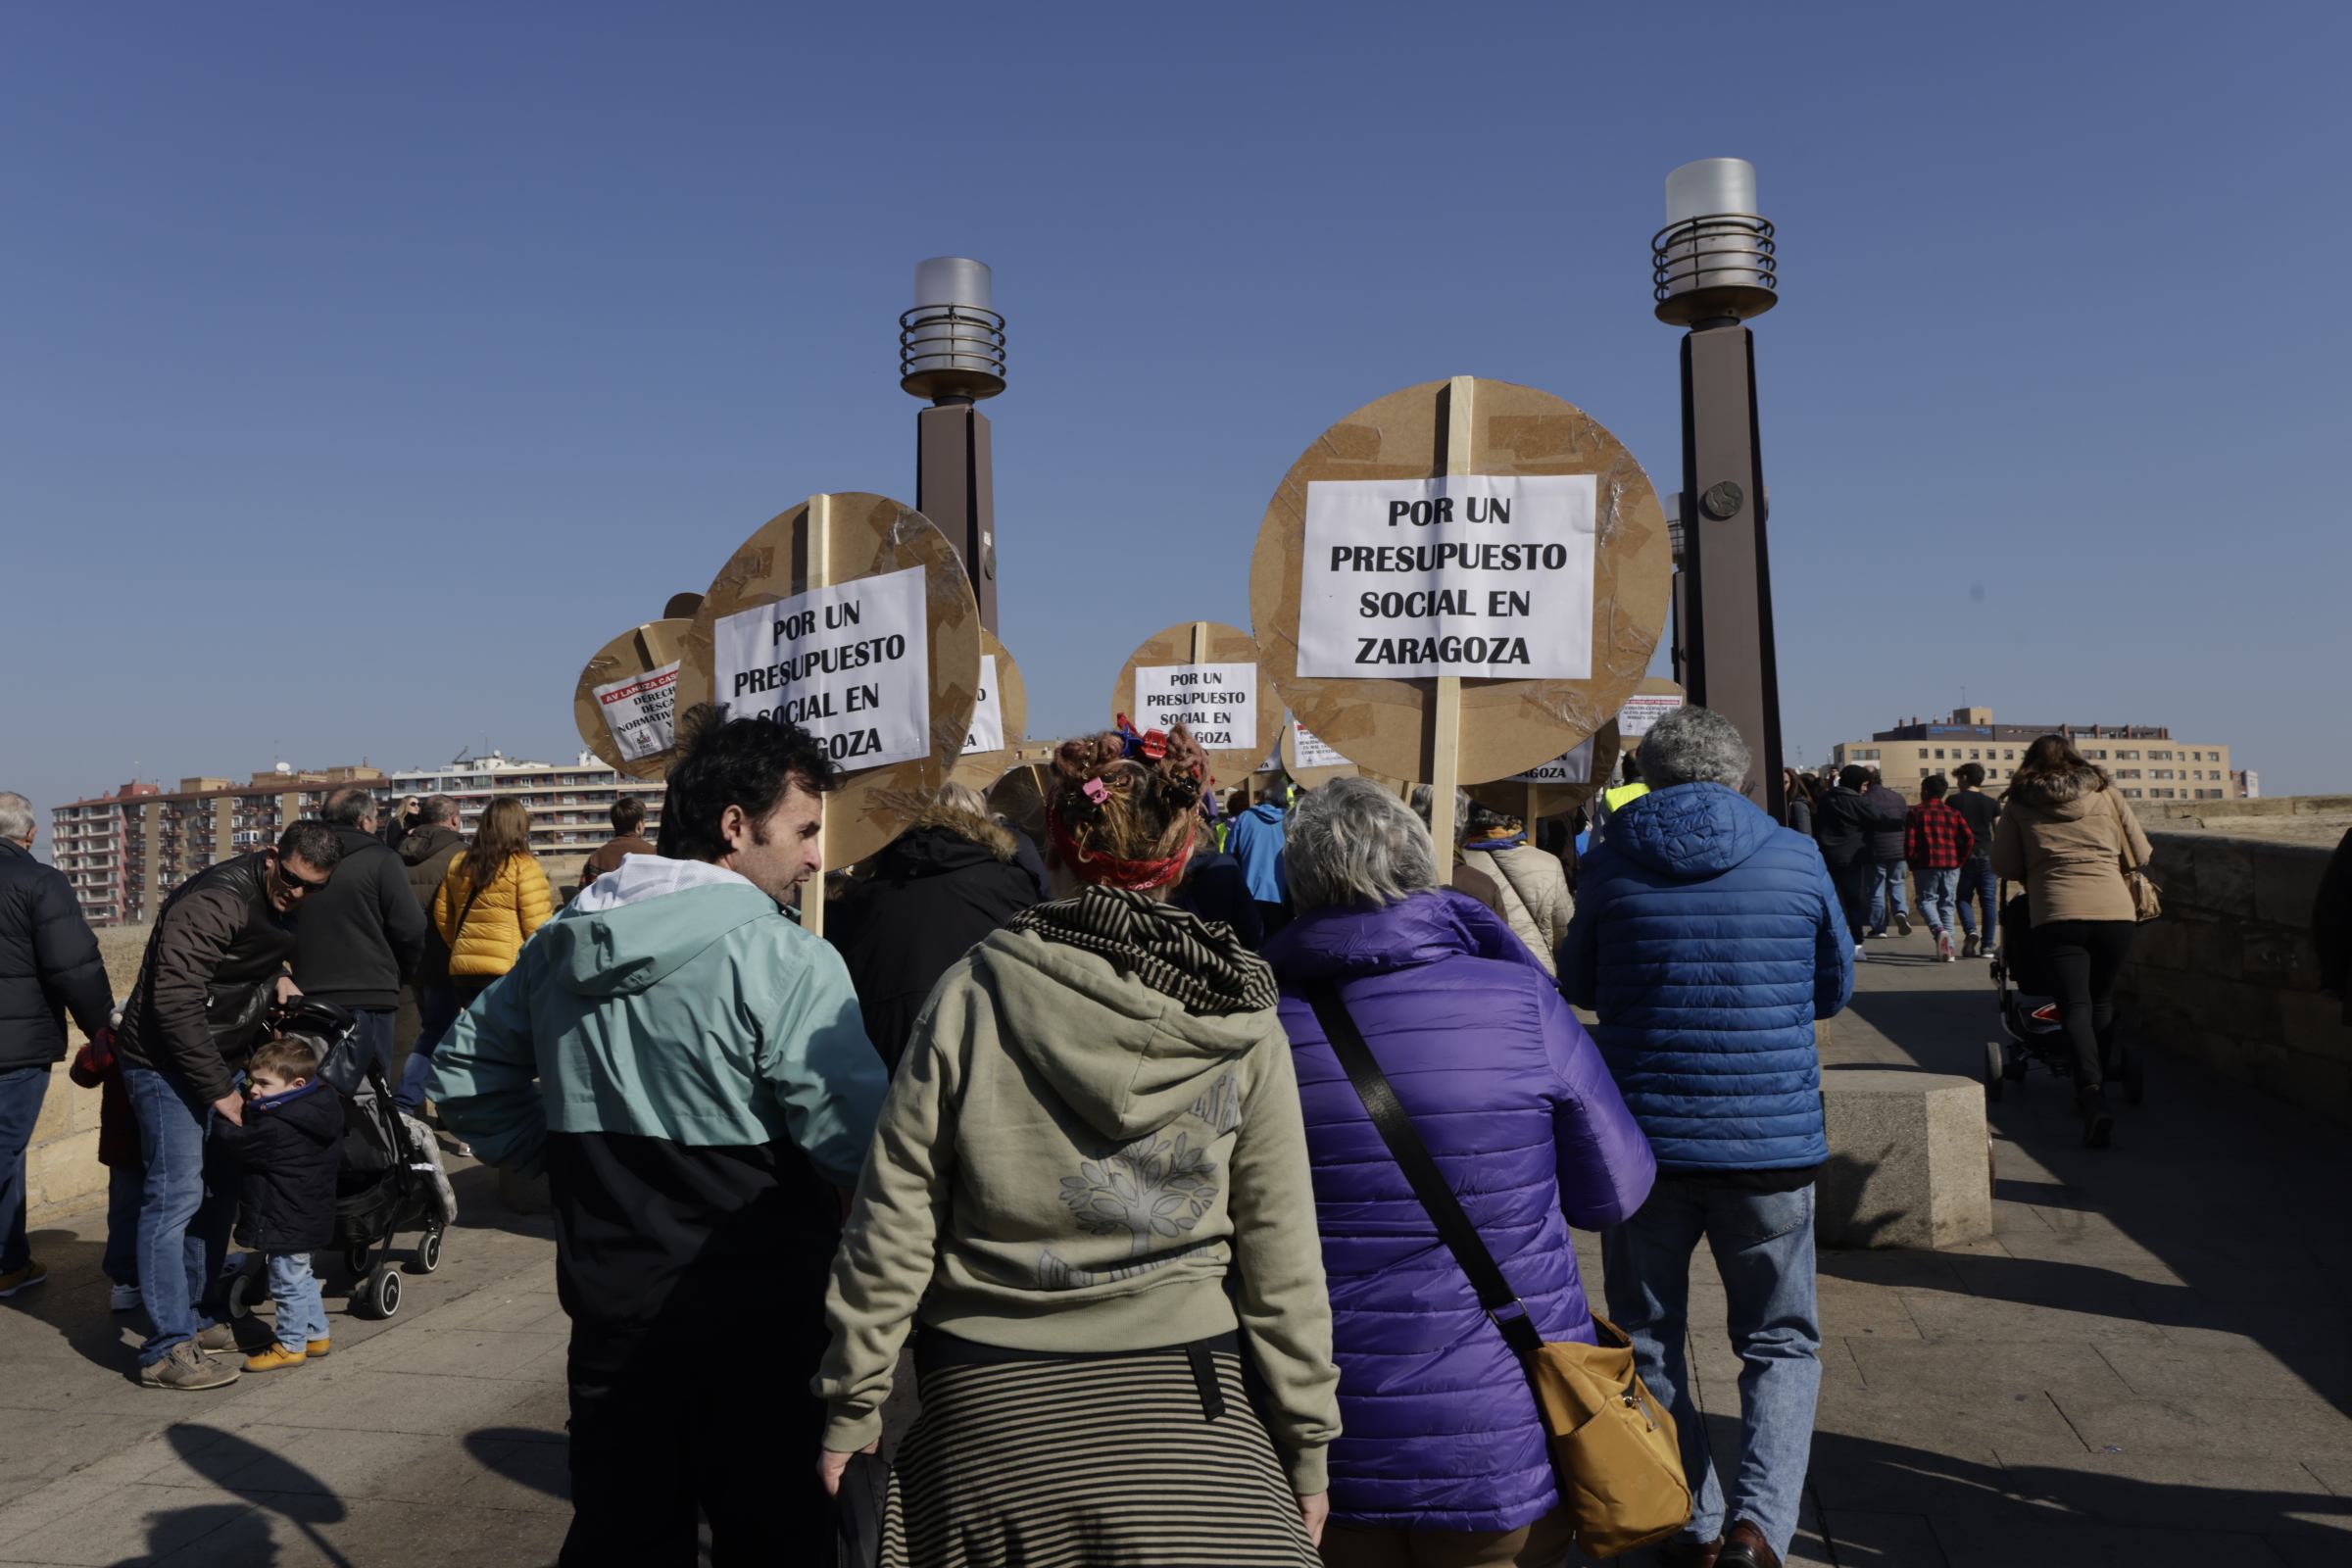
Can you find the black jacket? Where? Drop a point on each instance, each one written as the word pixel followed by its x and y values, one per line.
pixel 939 888
pixel 1842 827
pixel 48 962
pixel 216 943
pixel 362 934
pixel 286 1153
pixel 1215 889
pixel 1891 813
pixel 429 852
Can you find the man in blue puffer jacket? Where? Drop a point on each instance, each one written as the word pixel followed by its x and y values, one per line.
pixel 1709 938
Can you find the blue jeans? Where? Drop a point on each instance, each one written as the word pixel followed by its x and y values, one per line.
pixel 1763 1246
pixel 125 1196
pixel 1978 884
pixel 374 1035
pixel 436 1009
pixel 183 1219
pixel 1883 881
pixel 22 1091
pixel 301 1306
pixel 1935 896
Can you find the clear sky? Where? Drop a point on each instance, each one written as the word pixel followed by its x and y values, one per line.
pixel 362 369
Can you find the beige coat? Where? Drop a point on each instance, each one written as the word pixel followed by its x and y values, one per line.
pixel 2064 838
pixel 1535 895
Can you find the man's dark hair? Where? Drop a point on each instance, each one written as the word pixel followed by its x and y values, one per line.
pixel 436 809
pixel 314 842
pixel 1855 776
pixel 347 807
pixel 727 761
pixel 1932 787
pixel 1970 774
pixel 627 816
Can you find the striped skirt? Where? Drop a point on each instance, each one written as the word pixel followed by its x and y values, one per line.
pixel 1082 1463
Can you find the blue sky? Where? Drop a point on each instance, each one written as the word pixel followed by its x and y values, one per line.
pixel 362 370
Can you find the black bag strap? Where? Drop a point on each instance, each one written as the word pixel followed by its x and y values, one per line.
pixel 1396 1130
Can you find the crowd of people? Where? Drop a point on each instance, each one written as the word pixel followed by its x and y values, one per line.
pixel 1058 1129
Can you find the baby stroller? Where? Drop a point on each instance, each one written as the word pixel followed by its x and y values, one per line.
pixel 2030 1017
pixel 390 1179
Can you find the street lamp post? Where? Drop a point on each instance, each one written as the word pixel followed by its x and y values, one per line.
pixel 1712 268
pixel 952 351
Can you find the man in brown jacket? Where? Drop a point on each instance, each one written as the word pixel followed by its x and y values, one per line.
pixel 430 852
pixel 628 821
pixel 215 962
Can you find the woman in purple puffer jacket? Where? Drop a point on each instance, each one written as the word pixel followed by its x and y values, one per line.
pixel 1439 1432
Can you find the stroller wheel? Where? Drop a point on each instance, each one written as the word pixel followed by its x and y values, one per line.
pixel 1996 1070
pixel 428 1252
pixel 242 1289
pixel 380 1296
pixel 355 1259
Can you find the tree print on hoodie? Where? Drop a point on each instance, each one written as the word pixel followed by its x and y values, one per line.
pixel 1154 1186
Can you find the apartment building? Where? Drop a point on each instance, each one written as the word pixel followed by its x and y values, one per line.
pixel 125 853
pixel 2145 762
pixel 570 802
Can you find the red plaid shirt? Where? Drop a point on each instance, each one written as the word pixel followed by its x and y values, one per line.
pixel 1936 838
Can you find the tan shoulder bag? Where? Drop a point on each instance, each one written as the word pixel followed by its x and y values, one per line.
pixel 1613 1444
pixel 2146 904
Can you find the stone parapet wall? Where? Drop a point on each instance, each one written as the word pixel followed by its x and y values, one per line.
pixel 2228 976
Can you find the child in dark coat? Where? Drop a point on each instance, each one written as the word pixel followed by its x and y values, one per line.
pixel 287 1147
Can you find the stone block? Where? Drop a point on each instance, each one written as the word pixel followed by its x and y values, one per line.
pixel 1908 1160
pixel 56 1119
pixel 2166 944
pixel 62 1170
pixel 2173 866
pixel 2225 875
pixel 2286 879
pixel 2216 947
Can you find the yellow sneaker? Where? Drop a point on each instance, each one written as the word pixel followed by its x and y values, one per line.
pixel 320 1347
pixel 272 1358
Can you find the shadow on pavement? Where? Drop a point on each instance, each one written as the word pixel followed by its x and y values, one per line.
pixel 527 1455
pixel 241 1535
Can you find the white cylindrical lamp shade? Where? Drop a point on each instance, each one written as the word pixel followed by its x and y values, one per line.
pixel 1714 232
pixel 1708 188
pixel 941 332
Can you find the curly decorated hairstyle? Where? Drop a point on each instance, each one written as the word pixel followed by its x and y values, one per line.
pixel 1112 811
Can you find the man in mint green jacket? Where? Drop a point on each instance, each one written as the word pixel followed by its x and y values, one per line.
pixel 689 1068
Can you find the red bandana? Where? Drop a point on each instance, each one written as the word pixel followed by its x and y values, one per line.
pixel 1140 875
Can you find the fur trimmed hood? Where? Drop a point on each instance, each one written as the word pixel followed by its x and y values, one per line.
pixel 990 834
pixel 2065 795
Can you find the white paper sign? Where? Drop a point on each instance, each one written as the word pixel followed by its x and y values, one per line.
pixel 1576 767
pixel 637 711
pixel 1641 712
pixel 851 664
pixel 988 713
pixel 1475 574
pixel 1314 752
pixel 1218 703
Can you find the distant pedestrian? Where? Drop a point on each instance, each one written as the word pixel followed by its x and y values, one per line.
pixel 1533 887
pixel 628 837
pixel 1256 843
pixel 2064 832
pixel 1936 843
pixel 429 851
pixel 1801 792
pixel 1978 887
pixel 285 1153
pixel 494 897
pixel 1215 889
pixel 216 959
pixel 1708 939
pixel 361 938
pixel 1442 1458
pixel 1459 874
pixel 49 966
pixel 400 823
pixel 1842 827
pixel 1885 882
pixel 1090 1185
pixel 936 889
pixel 687 1067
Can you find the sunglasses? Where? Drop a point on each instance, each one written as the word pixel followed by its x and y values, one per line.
pixel 299 885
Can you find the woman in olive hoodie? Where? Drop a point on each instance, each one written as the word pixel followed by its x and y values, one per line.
pixel 2064 832
pixel 1089 1187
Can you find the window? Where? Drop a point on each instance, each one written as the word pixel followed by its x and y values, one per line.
pixel 2132 794
pixel 2096 756
pixel 2127 772
pixel 2010 755
pixel 1923 752
pixel 2128 756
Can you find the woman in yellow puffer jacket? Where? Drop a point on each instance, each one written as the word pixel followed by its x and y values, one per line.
pixel 486 929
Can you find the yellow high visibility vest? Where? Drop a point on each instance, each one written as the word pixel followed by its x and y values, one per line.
pixel 1623 796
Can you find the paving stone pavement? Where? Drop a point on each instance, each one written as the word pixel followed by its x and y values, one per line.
pixel 2149 1363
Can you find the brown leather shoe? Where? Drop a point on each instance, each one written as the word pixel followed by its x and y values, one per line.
pixel 1744 1546
pixel 1681 1553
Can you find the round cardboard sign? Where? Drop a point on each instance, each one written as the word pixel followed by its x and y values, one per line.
pixel 1202 643
pixel 623 686
pixel 1513 796
pixel 832 540
pixel 982 769
pixel 1308 774
pixel 1507 726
